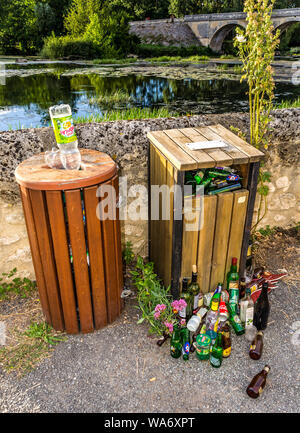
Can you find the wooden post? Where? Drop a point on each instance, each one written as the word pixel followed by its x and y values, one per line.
pixel 252 187
pixel 177 234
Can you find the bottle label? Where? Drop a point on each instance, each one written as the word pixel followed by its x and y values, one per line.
pixel 200 300
pixel 233 295
pixel 64 129
pixel 253 347
pixel 226 352
pixel 196 298
pixel 249 316
pixel 233 285
pixel 182 313
pixel 186 348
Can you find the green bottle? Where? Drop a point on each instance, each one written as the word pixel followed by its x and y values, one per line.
pixel 186 313
pixel 233 285
pixel 216 355
pixel 175 344
pixel 215 300
pixel 235 321
pixel 194 289
pixel 186 344
pixel 203 344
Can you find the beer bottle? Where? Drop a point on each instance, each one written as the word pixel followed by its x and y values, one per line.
pixel 257 346
pixel 185 294
pixel 233 284
pixel 162 339
pixel 194 289
pixel 235 321
pixel 258 383
pixel 242 287
pixel 185 340
pixel 216 355
pixel 262 309
pixel 175 344
pixel 203 342
pixel 215 300
pixel 226 340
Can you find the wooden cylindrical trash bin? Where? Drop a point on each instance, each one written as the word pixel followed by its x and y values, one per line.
pixel 74 233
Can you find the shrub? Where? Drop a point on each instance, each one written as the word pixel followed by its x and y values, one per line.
pixel 66 46
pixel 147 50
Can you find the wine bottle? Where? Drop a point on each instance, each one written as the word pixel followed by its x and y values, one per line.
pixel 262 309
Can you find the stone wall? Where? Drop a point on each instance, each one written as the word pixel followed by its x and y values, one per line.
pixel 163 32
pixel 127 143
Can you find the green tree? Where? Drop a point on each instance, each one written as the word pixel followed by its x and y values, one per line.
pixel 18 31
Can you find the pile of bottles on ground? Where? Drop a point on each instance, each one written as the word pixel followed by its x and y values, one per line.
pixel 214 180
pixel 243 306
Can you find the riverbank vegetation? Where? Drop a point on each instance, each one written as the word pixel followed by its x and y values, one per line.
pixel 100 29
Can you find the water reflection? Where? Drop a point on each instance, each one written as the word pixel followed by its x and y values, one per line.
pixel 24 101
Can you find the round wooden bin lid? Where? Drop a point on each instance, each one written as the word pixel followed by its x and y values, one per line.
pixel 96 167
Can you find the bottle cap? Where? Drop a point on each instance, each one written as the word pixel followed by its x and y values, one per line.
pixel 194 269
pixel 234 261
pixel 267 368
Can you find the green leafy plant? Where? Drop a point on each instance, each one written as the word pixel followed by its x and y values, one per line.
pixel 44 332
pixel 257 45
pixel 22 287
pixel 151 293
pixel 267 231
pixel 128 254
pixel 30 348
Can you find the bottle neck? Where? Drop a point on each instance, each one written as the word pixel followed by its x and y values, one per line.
pixel 233 269
pixel 194 277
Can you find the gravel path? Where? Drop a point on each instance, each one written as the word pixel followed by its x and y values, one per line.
pixel 110 371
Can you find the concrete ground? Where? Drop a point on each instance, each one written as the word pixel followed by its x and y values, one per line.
pixel 113 370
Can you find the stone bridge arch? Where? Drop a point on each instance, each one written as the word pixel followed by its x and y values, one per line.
pixel 220 35
pixel 212 29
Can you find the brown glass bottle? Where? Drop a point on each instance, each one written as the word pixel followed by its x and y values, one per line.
pixel 242 287
pixel 258 383
pixel 226 340
pixel 257 345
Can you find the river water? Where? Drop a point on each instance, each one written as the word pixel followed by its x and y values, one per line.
pixel 28 90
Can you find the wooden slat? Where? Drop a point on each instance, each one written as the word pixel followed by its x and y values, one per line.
pixel 206 240
pixel 220 157
pixel 79 252
pixel 62 259
pixel 181 139
pixel 39 209
pixel 223 219
pixel 239 209
pixel 95 247
pixel 35 253
pixel 174 153
pixel 117 233
pixel 190 238
pixel 162 179
pixel 152 222
pixel 169 227
pixel 253 153
pixel 236 156
pixel 109 247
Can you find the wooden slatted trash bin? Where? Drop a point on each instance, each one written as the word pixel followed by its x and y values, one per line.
pixel 224 223
pixel 76 252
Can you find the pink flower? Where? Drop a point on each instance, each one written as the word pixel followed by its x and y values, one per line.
pixel 182 322
pixel 169 326
pixel 156 315
pixel 178 305
pixel 160 307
